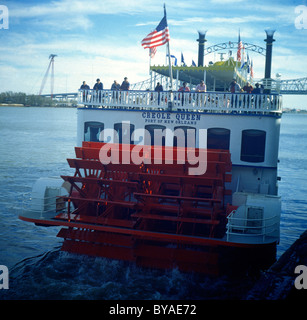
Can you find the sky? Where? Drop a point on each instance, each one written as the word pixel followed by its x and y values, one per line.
pixel 102 39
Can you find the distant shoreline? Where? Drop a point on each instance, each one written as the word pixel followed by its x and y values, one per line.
pixel 11 105
pixel 298 111
pixel 17 105
pixel 285 110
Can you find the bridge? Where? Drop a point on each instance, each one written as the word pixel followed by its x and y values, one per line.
pixel 294 86
pixel 61 96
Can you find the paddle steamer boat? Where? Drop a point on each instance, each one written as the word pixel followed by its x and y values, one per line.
pixel 170 179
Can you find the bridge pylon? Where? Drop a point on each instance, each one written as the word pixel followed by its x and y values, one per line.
pixel 51 64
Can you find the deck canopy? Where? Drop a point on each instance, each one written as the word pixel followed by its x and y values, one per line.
pixel 217 76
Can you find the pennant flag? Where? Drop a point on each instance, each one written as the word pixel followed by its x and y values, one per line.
pixel 159 36
pixel 243 62
pixel 248 64
pixel 175 60
pixel 239 48
pixel 182 60
pixel 252 70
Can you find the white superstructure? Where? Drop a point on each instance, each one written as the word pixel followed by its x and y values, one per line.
pixel 247 125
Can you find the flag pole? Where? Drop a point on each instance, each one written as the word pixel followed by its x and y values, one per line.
pixel 149 59
pixel 150 72
pixel 169 59
pixel 170 67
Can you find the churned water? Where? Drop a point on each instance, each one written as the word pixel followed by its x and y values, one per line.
pixel 35 143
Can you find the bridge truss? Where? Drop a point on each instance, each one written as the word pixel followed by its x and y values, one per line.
pixel 293 86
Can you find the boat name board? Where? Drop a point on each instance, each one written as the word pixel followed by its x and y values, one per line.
pixel 170 118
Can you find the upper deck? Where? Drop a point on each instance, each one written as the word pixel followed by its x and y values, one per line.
pixel 212 102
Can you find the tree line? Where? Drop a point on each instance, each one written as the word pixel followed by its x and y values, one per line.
pixel 10 97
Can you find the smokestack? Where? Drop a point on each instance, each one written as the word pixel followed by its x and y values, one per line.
pixel 268 57
pixel 201 48
pixel 268 60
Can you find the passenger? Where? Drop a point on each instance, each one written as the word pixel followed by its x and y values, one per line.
pixel 248 88
pixel 85 87
pixel 201 87
pixel 183 89
pixel 159 88
pixel 115 87
pixel 257 89
pixel 234 87
pixel 125 85
pixel 98 87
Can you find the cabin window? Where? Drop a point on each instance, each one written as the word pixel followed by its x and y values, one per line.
pixel 253 145
pixel 155 135
pixel 185 136
pixel 92 130
pixel 124 131
pixel 218 138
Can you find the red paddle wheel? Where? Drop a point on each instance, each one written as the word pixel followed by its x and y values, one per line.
pixel 154 214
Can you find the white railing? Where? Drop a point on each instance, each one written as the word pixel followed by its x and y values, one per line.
pixel 217 102
pixel 246 230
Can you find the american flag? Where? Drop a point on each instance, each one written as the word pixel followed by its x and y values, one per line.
pixel 159 36
pixel 240 46
pixel 152 51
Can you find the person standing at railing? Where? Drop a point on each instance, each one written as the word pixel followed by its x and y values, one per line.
pixel 257 99
pixel 234 88
pixel 183 89
pixel 85 87
pixel 201 87
pixel 125 87
pixel 256 90
pixel 98 87
pixel 248 88
pixel 159 88
pixel 115 87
